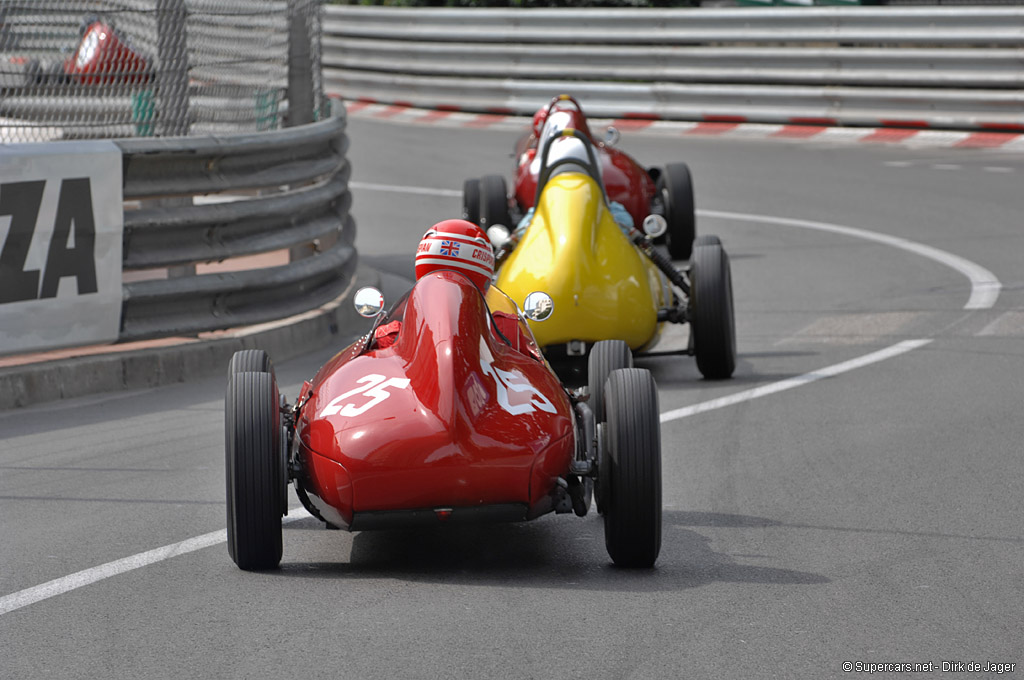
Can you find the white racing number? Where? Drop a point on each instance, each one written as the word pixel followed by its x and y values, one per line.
pixel 505 381
pixel 373 385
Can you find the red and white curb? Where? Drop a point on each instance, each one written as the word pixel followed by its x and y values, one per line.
pixel 910 137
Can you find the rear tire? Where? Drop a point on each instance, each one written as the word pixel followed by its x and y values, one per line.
pixel 712 319
pixel 631 468
pixel 258 361
pixel 601 491
pixel 605 356
pixel 253 461
pixel 494 202
pixel 676 188
pixel 471 201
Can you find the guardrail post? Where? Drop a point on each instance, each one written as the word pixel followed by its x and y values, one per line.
pixel 172 70
pixel 172 93
pixel 300 63
pixel 300 85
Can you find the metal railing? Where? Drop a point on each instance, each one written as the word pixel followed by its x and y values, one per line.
pixel 212 104
pixel 307 173
pixel 950 67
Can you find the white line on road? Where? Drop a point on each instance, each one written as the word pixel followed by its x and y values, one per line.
pixel 423 191
pixel 59 586
pixel 985 286
pixel 790 383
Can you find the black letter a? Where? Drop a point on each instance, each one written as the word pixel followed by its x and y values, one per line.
pixel 74 205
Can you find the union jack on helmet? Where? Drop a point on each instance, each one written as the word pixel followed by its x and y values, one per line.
pixel 458 245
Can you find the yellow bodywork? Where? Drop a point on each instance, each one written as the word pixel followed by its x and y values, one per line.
pixel 603 287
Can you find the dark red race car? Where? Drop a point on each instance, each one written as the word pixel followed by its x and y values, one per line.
pixel 103 56
pixel 664 191
pixel 444 413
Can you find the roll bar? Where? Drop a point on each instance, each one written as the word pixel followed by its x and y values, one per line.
pixel 592 167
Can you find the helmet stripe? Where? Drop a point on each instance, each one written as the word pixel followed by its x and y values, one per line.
pixel 454 263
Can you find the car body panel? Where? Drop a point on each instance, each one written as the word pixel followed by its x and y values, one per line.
pixel 449 416
pixel 603 287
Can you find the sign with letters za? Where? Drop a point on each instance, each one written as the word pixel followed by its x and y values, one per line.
pixel 61 223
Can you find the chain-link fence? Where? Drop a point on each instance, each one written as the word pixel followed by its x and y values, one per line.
pixel 78 69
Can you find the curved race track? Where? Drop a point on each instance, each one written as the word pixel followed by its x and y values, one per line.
pixel 854 494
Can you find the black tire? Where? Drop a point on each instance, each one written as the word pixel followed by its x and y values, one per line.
pixel 676 188
pixel 631 465
pixel 494 202
pixel 712 319
pixel 258 361
pixel 707 240
pixel 253 461
pixel 471 200
pixel 250 361
pixel 605 356
pixel 601 484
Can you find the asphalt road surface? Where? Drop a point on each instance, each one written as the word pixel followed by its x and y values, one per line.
pixel 854 494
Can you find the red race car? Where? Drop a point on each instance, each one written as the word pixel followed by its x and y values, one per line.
pixel 444 413
pixel 641 192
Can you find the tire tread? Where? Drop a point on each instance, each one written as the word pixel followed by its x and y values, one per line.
pixel 252 427
pixel 605 357
pixel 633 512
pixel 712 315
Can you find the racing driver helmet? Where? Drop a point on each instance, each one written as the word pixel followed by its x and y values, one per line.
pixel 538 120
pixel 458 245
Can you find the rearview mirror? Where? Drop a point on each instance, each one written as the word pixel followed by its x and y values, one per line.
pixel 538 306
pixel 368 302
pixel 611 136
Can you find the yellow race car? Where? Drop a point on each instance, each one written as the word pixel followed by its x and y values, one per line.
pixel 605 277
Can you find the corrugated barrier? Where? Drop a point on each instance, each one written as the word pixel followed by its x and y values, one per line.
pixel 954 67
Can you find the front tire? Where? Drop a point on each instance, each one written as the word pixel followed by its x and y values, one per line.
pixel 253 461
pixel 707 240
pixel 631 469
pixel 712 318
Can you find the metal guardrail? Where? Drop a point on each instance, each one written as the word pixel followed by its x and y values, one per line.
pixel 950 67
pixel 307 169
